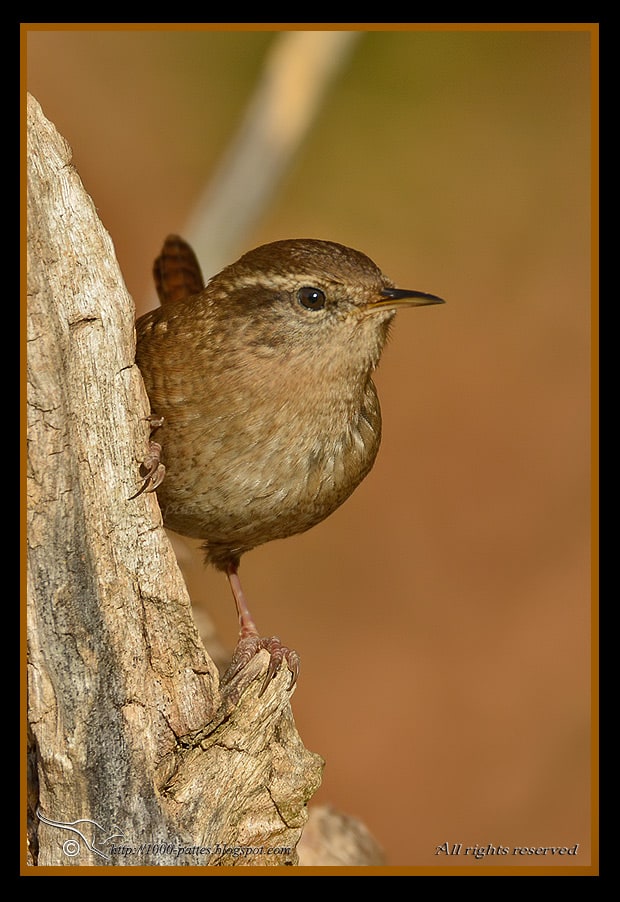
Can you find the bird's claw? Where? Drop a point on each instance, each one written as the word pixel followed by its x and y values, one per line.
pixel 153 470
pixel 249 646
pixel 151 467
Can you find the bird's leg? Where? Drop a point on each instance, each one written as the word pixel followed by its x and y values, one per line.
pixel 152 468
pixel 247 627
pixel 250 642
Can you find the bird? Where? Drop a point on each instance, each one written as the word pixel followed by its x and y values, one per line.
pixel 260 385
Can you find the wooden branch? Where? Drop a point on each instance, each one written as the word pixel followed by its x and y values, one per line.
pixel 128 731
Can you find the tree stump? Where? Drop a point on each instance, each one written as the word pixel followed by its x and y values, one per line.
pixel 135 757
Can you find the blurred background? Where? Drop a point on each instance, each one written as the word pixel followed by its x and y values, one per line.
pixel 443 614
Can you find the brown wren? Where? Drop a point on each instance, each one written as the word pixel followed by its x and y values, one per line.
pixel 263 383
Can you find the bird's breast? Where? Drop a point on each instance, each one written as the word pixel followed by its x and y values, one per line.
pixel 255 474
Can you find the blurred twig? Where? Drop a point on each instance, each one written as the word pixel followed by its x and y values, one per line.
pixel 299 69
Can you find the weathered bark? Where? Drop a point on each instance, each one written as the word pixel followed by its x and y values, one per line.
pixel 127 726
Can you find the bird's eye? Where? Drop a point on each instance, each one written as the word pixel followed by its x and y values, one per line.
pixel 312 298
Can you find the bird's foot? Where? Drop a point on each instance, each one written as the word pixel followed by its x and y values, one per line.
pixel 152 468
pixel 248 646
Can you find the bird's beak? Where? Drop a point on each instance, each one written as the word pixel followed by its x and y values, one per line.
pixel 402 297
